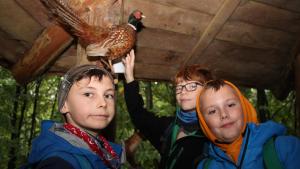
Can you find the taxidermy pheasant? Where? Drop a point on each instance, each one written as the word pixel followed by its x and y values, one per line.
pixel 111 42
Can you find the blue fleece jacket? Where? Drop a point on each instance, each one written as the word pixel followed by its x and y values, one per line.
pixel 54 141
pixel 287 147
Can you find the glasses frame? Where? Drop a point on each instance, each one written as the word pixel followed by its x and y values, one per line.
pixel 185 86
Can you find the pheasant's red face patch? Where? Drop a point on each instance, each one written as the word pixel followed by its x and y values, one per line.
pixel 138 15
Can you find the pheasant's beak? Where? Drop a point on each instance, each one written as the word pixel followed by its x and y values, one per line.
pixel 143 16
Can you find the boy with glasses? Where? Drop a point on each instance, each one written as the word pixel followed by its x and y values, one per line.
pixel 178 139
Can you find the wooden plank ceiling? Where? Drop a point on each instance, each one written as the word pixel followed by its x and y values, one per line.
pixel 252 43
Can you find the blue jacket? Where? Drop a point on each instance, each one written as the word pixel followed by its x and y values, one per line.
pixel 53 141
pixel 287 147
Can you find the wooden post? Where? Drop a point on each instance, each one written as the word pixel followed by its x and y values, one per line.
pixel 297 88
pixel 44 51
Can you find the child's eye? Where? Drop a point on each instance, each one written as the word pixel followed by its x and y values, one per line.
pixel 109 96
pixel 88 94
pixel 231 104
pixel 211 112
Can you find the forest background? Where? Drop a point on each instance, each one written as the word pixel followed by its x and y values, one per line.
pixel 22 108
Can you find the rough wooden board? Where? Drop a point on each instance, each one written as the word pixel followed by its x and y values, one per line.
pixel 17 23
pixel 167 58
pixel 10 49
pixel 292 5
pixel 245 34
pixel 245 63
pixel 203 6
pixel 167 40
pixel 169 18
pixel 267 16
pixel 36 10
pixel 157 72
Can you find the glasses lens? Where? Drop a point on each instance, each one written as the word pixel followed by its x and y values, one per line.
pixel 191 86
pixel 179 89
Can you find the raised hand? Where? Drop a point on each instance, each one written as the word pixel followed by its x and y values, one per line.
pixel 129 66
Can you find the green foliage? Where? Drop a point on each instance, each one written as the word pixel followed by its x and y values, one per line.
pixel 280 111
pixel 163 97
pixel 283 111
pixel 163 105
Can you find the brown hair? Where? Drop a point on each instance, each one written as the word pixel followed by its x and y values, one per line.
pixel 214 84
pixel 74 75
pixel 193 72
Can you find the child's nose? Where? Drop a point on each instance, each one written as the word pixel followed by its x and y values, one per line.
pixel 224 114
pixel 101 102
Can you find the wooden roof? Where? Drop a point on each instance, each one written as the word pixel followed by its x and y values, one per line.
pixel 252 43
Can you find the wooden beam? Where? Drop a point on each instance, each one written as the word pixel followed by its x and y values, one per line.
pixel 44 51
pixel 212 29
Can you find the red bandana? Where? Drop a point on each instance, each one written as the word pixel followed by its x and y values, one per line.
pixel 108 157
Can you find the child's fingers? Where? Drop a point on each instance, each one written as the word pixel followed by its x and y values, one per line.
pixel 124 61
pixel 132 58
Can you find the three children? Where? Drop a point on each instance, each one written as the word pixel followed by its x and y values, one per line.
pixel 86 100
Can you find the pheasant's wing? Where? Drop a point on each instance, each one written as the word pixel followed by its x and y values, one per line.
pixel 66 16
pixel 120 39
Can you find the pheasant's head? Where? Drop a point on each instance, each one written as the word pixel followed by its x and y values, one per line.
pixel 135 18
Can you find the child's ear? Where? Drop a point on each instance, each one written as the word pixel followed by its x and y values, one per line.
pixel 64 109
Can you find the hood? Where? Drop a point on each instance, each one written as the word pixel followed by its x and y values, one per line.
pixel 257 134
pixel 54 140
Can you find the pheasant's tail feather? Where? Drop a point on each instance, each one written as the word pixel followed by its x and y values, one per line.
pixel 66 15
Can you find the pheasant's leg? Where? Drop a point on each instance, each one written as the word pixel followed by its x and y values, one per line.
pixel 104 63
pixel 111 66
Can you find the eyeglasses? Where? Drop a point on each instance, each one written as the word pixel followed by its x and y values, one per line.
pixel 192 86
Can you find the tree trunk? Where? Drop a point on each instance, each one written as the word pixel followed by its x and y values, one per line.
pixel 149 100
pixel 37 89
pixel 262 105
pixel 23 110
pixel 13 137
pixel 53 107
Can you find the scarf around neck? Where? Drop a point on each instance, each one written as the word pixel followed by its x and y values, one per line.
pixel 98 145
pixel 187 118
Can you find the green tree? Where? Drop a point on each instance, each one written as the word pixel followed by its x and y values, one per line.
pixel 18 106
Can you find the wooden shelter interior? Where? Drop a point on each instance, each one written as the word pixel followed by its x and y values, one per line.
pixel 253 43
